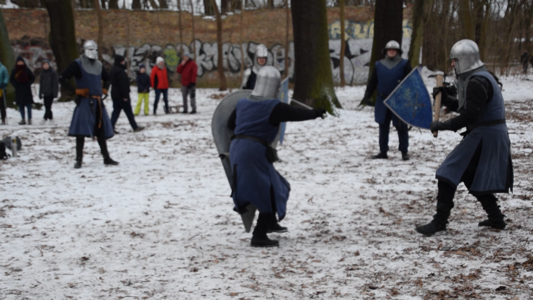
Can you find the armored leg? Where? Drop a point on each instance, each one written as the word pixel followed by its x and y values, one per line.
pixel 495 216
pixel 260 238
pixel 80 142
pixel 444 208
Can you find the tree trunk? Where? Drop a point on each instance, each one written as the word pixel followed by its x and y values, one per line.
pixel 270 4
pixel 8 59
pixel 126 54
pixel 163 4
pixel 220 61
pixel 181 29
pixel 313 79
pixel 343 44
pixel 421 11
pixel 193 32
pixel 100 26
pixel 224 7
pixel 113 4
pixel 62 38
pixel 241 41
pixel 209 9
pixel 465 15
pixel 388 17
pixel 287 38
pixel 136 5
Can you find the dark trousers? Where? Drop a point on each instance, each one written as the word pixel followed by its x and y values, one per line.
pixel 3 106
pixel 447 192
pixel 48 100
pixel 118 106
pixel 80 142
pixel 158 93
pixel 384 129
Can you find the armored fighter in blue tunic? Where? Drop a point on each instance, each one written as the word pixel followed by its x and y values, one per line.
pixel 385 77
pixel 482 161
pixel 90 118
pixel 256 122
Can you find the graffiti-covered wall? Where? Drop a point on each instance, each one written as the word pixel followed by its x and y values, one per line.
pixel 152 34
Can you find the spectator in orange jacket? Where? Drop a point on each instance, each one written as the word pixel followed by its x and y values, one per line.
pixel 188 70
pixel 159 79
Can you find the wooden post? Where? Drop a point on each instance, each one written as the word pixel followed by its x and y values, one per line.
pixel 440 79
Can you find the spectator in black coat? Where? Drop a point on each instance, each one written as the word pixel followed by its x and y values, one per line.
pixel 22 78
pixel 48 88
pixel 143 90
pixel 120 93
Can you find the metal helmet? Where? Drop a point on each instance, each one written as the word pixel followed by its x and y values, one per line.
pixel 90 49
pixel 260 51
pixel 466 56
pixel 392 44
pixel 267 83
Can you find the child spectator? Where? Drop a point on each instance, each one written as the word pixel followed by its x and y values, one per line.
pixel 48 89
pixel 143 91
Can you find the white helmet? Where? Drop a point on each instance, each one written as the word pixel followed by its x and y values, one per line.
pixel 267 83
pixel 90 49
pixel 260 51
pixel 466 56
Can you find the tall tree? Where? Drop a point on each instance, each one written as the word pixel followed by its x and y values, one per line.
pixel 343 44
pixel 287 37
pixel 113 4
pixel 193 32
pixel 388 16
pixel 209 8
pixel 136 4
pixel 313 79
pixel 62 38
pixel 181 29
pixel 220 53
pixel 241 41
pixel 421 11
pixel 465 15
pixel 100 39
pixel 7 58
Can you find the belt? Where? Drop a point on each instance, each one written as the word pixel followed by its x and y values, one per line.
pixel 250 138
pixel 484 124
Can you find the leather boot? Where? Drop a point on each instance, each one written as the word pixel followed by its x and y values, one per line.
pixel 440 219
pixel 275 227
pixel 260 238
pixel 495 217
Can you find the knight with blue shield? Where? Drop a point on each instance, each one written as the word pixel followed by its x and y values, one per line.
pixel 482 160
pixel 90 118
pixel 255 122
pixel 385 77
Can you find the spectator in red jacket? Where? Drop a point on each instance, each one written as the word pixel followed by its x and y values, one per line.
pixel 159 79
pixel 188 70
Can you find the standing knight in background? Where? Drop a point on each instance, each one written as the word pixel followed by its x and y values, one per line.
pixel 4 81
pixel 90 118
pixel 250 74
pixel 385 77
pixel 482 160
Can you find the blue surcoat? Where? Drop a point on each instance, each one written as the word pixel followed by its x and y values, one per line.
pixel 255 177
pixel 85 119
pixel 388 80
pixel 494 173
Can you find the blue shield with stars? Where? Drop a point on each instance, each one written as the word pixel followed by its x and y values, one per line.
pixel 283 97
pixel 411 102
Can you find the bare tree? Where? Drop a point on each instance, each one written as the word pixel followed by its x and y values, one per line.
pixel 100 26
pixel 421 11
pixel 62 38
pixel 313 79
pixel 220 62
pixel 136 5
pixel 181 28
pixel 7 57
pixel 287 37
pixel 343 43
pixel 113 4
pixel 465 15
pixel 209 7
pixel 193 32
pixel 241 42
pixel 388 19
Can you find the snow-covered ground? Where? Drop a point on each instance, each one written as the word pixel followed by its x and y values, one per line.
pixel 161 225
